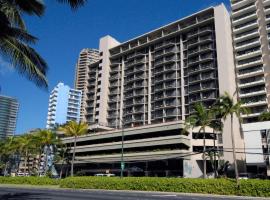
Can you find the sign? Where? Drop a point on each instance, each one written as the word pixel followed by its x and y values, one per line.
pixel 122 165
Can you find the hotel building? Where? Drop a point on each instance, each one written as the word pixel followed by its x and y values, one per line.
pixel 145 88
pixel 251 35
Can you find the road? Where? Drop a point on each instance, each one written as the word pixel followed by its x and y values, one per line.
pixel 15 193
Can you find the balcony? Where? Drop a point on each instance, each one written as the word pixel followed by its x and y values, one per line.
pixel 115 77
pixel 164 44
pixel 240 3
pixel 255 103
pixel 245 27
pixel 248 54
pixel 246 17
pixel 246 35
pixel 254 71
pixel 245 9
pixel 252 93
pixel 249 63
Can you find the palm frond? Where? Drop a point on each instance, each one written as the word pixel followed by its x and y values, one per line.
pixel 25 60
pixel 31 7
pixel 12 14
pixel 74 4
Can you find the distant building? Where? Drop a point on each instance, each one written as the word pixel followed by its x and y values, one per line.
pixel 8 116
pixel 64 105
pixel 86 57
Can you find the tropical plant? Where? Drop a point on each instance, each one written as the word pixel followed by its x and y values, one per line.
pixel 228 107
pixel 74 129
pixel 202 118
pixel 46 139
pixel 265 116
pixel 15 40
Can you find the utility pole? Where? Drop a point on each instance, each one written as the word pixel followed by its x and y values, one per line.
pixel 122 149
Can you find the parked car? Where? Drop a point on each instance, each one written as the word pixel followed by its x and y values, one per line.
pixel 22 174
pixel 107 175
pixel 244 176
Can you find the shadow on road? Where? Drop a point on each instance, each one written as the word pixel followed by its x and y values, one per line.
pixel 20 196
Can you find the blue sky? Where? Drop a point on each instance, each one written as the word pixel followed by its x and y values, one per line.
pixel 64 33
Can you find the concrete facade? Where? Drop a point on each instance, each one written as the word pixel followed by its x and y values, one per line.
pixel 154 80
pixel 251 33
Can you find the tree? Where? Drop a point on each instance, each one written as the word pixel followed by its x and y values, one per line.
pixel 74 129
pixel 227 107
pixel 15 41
pixel 46 140
pixel 202 118
pixel 25 145
pixel 265 116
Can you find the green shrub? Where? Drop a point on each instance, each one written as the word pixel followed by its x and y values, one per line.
pixel 29 180
pixel 208 186
pixel 251 187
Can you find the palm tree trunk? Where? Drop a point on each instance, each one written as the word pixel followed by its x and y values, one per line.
pixel 204 157
pixel 39 161
pixel 73 155
pixel 234 153
pixel 25 162
pixel 61 171
pixel 6 166
pixel 215 168
pixel 46 159
pixel 62 164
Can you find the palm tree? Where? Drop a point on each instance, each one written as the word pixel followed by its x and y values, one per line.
pixel 74 129
pixel 227 107
pixel 202 118
pixel 265 116
pixel 15 41
pixel 46 139
pixel 25 146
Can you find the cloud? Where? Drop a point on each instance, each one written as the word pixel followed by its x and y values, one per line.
pixel 5 67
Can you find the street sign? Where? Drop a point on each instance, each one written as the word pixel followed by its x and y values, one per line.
pixel 122 165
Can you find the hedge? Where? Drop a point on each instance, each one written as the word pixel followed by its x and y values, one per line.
pixel 251 187
pixel 29 180
pixel 256 188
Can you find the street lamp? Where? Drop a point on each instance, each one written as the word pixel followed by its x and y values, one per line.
pixel 122 149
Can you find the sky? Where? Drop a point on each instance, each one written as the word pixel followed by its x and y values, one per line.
pixel 63 33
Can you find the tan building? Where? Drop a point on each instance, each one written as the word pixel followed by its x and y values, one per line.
pixel 86 57
pixel 152 82
pixel 251 35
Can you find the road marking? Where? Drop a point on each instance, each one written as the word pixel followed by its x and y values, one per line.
pixel 164 195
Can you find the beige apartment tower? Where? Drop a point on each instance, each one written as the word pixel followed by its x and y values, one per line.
pixel 251 36
pixel 86 57
pixel 148 85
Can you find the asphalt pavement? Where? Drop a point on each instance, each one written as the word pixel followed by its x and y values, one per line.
pixel 17 193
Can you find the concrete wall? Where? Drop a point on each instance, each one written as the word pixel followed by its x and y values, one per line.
pixel 226 75
pixel 105 44
pixel 253 141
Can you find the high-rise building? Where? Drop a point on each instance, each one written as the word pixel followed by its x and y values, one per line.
pixel 8 116
pixel 64 105
pixel 86 57
pixel 251 35
pixel 149 85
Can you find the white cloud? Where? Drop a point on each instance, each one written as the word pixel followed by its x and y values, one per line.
pixel 5 67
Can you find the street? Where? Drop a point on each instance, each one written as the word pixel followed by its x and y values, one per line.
pixel 16 193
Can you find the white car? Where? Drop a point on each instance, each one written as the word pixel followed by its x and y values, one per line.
pixel 22 174
pixel 107 175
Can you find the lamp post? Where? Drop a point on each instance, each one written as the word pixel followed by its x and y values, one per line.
pixel 122 165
